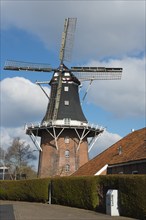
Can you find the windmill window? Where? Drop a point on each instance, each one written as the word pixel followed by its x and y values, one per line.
pixel 66 140
pixel 66 88
pixel 56 74
pixel 67 121
pixel 66 102
pixel 67 153
pixel 67 168
pixel 66 74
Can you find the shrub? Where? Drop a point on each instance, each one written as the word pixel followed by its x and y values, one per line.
pixel 79 192
pixel 25 190
pixel 105 183
pixel 132 196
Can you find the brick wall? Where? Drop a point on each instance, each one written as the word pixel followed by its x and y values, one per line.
pixel 66 159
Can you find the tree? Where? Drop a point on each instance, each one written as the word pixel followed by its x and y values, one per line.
pixel 18 157
pixel 2 156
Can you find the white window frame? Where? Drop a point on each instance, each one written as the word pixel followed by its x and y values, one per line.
pixel 67 168
pixel 66 88
pixel 66 102
pixel 66 140
pixel 67 121
pixel 66 74
pixel 67 153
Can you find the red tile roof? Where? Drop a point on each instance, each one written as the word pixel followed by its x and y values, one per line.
pixel 133 147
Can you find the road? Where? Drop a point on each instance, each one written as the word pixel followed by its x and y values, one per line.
pixel 15 210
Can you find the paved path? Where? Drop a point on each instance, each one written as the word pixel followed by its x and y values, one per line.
pixel 12 210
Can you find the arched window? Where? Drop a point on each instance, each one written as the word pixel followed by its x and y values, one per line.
pixel 67 153
pixel 67 168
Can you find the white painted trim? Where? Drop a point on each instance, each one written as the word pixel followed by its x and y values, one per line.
pixel 61 122
pixel 101 170
pixel 4 168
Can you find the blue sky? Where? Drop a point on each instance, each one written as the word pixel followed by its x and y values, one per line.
pixel 108 33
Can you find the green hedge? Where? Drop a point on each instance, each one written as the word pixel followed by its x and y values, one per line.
pixel 79 192
pixel 90 193
pixel 105 183
pixel 82 192
pixel 132 196
pixel 131 190
pixel 25 190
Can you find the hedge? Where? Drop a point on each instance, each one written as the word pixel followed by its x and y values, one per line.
pixel 78 192
pixel 35 190
pixel 90 193
pixel 82 192
pixel 132 196
pixel 105 183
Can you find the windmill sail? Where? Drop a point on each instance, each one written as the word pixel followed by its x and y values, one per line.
pixel 97 73
pixel 27 66
pixel 67 39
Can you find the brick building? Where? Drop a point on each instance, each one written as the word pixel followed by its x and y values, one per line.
pixel 127 156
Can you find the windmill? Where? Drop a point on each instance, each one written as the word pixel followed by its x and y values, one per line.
pixel 64 130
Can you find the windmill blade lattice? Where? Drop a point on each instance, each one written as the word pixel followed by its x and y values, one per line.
pixel 27 66
pixel 67 39
pixel 97 73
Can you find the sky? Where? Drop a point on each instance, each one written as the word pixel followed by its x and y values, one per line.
pixel 108 33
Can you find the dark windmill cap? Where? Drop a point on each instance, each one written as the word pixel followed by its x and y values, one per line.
pixel 66 74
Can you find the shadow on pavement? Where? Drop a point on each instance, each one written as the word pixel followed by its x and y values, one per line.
pixel 7 212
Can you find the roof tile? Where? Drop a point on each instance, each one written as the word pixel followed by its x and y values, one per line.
pixel 133 147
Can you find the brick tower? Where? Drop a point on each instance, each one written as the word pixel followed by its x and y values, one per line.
pixel 64 130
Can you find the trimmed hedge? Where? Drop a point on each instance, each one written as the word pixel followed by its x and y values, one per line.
pixel 82 192
pixel 35 190
pixel 78 192
pixel 105 183
pixel 132 196
pixel 131 190
pixel 90 193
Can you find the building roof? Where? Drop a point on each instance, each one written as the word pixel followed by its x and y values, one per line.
pixel 130 148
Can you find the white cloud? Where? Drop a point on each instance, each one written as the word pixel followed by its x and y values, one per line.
pixel 8 135
pixel 21 102
pixel 104 27
pixel 123 98
pixel 105 140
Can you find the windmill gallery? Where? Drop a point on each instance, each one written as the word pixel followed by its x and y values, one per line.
pixel 66 136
